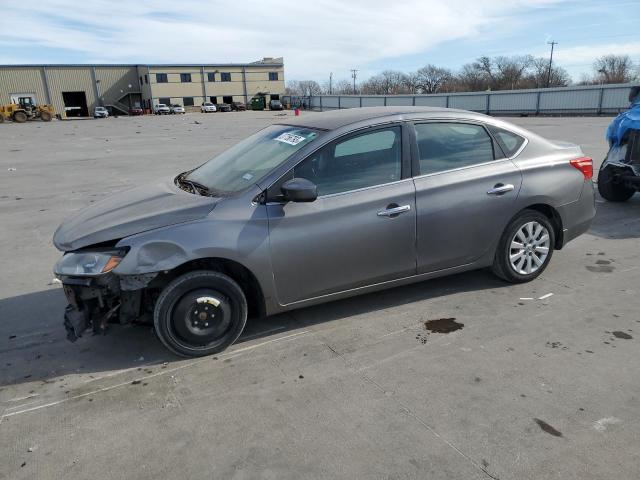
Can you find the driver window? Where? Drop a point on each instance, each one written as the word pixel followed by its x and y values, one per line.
pixel 365 160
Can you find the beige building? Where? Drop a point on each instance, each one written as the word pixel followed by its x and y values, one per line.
pixel 75 90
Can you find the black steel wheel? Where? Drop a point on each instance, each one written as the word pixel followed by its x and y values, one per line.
pixel 200 313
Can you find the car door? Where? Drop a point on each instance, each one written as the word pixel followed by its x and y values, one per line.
pixel 466 193
pixel 361 228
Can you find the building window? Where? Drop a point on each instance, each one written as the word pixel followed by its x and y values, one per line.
pixel 228 99
pixel 161 78
pixel 225 77
pixel 164 100
pixel 213 100
pixel 273 76
pixel 187 101
pixel 185 77
pixel 211 77
pixel 140 80
pixel 146 78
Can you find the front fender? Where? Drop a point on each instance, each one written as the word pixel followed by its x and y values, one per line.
pixel 245 241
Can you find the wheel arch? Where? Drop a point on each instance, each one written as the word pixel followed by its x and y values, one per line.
pixel 554 218
pixel 238 272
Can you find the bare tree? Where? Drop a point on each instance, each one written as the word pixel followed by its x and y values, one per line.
pixel 343 87
pixel 389 82
pixel 431 78
pixel 511 69
pixel 614 69
pixel 303 87
pixel 536 77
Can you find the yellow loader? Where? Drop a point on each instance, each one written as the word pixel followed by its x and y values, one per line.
pixel 25 110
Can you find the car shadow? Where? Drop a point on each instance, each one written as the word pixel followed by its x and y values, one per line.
pixel 617 220
pixel 33 344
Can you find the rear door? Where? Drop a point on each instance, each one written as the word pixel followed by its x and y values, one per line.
pixel 466 193
pixel 361 228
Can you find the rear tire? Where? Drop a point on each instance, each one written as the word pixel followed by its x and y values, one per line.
pixel 20 117
pixel 525 248
pixel 200 313
pixel 611 188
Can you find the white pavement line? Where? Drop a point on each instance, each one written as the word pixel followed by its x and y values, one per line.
pixel 264 332
pixel 118 372
pixel 545 296
pixel 157 374
pixel 526 298
pixel 17 399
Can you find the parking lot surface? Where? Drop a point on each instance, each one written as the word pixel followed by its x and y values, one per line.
pixel 532 381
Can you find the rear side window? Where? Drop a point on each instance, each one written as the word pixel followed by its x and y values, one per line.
pixel 366 160
pixel 509 142
pixel 447 146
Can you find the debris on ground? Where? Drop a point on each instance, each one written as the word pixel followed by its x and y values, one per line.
pixel 545 296
pixel 11 169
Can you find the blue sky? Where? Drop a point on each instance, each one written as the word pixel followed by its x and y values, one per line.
pixel 317 37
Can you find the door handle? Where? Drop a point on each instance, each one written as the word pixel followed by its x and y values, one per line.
pixel 500 189
pixel 394 211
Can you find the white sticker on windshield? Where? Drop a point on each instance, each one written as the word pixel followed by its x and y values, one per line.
pixel 290 138
pixel 247 176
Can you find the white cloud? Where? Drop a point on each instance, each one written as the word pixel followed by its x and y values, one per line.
pixel 314 37
pixel 585 54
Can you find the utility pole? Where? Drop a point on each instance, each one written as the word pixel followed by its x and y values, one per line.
pixel 330 82
pixel 354 75
pixel 553 44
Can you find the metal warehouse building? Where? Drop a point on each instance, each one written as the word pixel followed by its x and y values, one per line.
pixel 75 90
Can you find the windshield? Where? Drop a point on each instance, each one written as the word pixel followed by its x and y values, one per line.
pixel 252 159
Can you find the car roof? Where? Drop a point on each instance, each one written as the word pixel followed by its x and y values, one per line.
pixel 340 118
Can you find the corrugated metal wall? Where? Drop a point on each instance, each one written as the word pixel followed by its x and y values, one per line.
pixel 593 99
pixel 116 82
pixel 70 79
pixel 22 80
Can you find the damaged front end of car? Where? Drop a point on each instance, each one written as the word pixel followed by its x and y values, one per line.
pixel 98 296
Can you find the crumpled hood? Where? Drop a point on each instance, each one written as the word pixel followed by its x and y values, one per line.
pixel 133 211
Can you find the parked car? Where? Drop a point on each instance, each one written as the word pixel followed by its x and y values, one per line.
pixel 619 176
pixel 135 111
pixel 224 107
pixel 275 105
pixel 238 106
pixel 100 112
pixel 319 208
pixel 177 109
pixel 161 109
pixel 208 107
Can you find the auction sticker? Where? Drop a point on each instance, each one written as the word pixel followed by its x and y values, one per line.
pixel 290 138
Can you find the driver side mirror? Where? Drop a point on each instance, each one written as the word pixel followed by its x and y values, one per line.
pixel 299 190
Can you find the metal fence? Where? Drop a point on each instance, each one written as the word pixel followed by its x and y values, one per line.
pixel 583 100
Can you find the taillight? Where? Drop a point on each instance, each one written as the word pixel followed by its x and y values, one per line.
pixel 585 165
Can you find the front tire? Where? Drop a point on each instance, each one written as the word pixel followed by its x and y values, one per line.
pixel 200 313
pixel 525 248
pixel 611 188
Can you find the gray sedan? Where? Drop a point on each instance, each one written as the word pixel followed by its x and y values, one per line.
pixel 318 208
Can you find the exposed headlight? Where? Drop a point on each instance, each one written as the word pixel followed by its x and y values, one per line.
pixel 87 263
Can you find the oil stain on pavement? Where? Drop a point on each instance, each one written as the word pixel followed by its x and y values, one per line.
pixel 443 325
pixel 547 428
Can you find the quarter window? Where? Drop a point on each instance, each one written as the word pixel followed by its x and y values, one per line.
pixel 161 78
pixel 509 142
pixel 185 77
pixel 446 146
pixel 362 161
